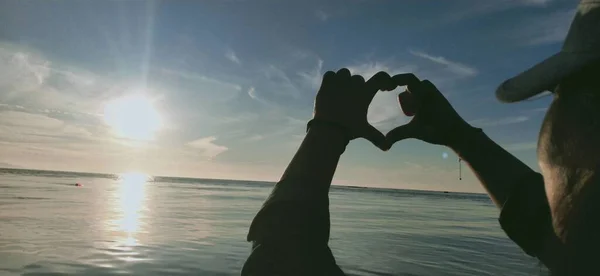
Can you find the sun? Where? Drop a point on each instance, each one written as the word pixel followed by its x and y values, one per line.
pixel 133 117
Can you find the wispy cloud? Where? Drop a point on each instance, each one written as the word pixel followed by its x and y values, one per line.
pixel 321 15
pixel 200 88
pixel 198 77
pixel 370 68
pixel 499 122
pixel 313 77
pixel 275 73
pixel 23 69
pixel 480 8
pixel 546 29
pixel 24 129
pixel 230 55
pixel 29 79
pixel 276 87
pixel 452 66
pixel 252 93
pixel 207 146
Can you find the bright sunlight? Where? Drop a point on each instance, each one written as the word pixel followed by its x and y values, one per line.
pixel 129 203
pixel 133 117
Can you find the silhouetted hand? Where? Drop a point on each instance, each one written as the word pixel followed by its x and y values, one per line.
pixel 343 100
pixel 435 121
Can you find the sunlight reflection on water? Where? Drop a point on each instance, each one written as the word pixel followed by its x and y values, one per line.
pixel 129 203
pixel 132 226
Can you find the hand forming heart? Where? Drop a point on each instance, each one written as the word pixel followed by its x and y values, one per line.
pixel 435 121
pixel 344 99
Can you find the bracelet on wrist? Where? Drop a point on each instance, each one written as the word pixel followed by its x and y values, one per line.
pixel 331 125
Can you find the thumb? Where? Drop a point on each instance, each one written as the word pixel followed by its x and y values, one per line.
pixel 400 133
pixel 375 136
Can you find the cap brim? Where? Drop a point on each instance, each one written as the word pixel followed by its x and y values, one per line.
pixel 543 77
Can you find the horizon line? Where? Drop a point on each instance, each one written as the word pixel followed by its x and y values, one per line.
pixel 247 180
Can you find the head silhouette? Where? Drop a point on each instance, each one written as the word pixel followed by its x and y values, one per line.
pixel 569 157
pixel 569 141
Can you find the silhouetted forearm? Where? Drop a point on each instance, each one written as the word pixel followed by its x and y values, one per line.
pixel 516 189
pixel 312 168
pixel 496 169
pixel 291 231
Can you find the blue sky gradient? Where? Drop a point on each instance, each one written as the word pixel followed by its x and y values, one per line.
pixel 234 81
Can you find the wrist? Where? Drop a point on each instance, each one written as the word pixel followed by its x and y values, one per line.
pixel 327 131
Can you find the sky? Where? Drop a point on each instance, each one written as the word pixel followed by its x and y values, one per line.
pixel 223 89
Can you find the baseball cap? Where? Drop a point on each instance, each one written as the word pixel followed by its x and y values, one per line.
pixel 580 48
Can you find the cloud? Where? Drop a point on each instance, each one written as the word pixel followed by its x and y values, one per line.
pixel 252 93
pixel 499 122
pixel 230 55
pixel 28 79
pixel 457 68
pixel 207 147
pixel 313 77
pixel 190 94
pixel 547 29
pixel 368 69
pixel 276 76
pixel 480 8
pixel 22 129
pixel 321 15
pixel 20 70
pixel 211 83
pixel 23 119
pixel 277 88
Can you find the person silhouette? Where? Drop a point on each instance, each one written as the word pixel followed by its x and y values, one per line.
pixel 552 215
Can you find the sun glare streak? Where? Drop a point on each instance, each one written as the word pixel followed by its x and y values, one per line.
pixel 133 117
pixel 149 36
pixel 130 199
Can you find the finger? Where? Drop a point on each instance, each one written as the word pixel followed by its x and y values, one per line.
pixel 343 74
pixel 328 79
pixel 376 137
pixel 400 133
pixel 407 103
pixel 405 79
pixel 357 81
pixel 409 80
pixel 422 92
pixel 428 88
pixel 380 81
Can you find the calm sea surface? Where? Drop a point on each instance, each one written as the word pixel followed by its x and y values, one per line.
pixel 129 226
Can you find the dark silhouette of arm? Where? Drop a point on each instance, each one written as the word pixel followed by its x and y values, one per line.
pixel 497 170
pixel 291 231
pixel 515 188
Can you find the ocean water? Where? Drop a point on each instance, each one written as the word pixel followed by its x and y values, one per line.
pixel 129 226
